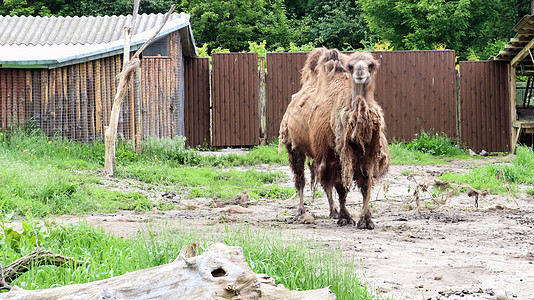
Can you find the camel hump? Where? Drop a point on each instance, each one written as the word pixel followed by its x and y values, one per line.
pixel 313 58
pixel 321 59
pixel 332 62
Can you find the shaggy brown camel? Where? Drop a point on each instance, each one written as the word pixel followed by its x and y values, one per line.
pixel 335 122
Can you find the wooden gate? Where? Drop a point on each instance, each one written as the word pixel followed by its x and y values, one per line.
pixel 197 102
pixel 235 99
pixel 484 105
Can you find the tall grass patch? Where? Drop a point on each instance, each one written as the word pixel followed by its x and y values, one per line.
pixel 295 262
pixel 435 144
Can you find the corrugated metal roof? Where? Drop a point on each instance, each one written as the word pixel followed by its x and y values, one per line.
pixel 524 36
pixel 56 41
pixel 22 30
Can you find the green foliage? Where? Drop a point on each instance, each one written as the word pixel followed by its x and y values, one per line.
pixel 258 48
pixel 112 201
pixel 401 155
pixel 106 256
pixel 476 29
pixel 172 150
pixel 208 182
pixel 530 192
pixel 458 24
pixel 336 24
pixel 231 24
pixel 294 48
pixel 31 235
pixel 435 144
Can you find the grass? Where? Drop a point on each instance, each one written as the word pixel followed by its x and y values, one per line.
pixel 209 182
pixel 436 144
pixel 425 149
pixel 294 262
pixel 519 171
pixel 53 176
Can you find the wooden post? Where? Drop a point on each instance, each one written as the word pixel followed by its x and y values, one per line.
pixel 263 104
pixel 128 69
pixel 514 130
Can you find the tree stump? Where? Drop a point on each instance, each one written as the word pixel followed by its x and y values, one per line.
pixel 220 272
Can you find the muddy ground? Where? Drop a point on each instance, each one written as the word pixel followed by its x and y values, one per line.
pixel 446 250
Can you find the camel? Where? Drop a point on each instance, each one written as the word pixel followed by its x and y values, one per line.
pixel 335 123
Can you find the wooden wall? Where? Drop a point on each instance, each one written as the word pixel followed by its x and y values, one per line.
pixel 282 81
pixel 235 99
pixel 197 102
pixel 416 89
pixel 75 101
pixel 484 105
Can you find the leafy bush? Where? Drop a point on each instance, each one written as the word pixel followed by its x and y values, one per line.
pixel 435 144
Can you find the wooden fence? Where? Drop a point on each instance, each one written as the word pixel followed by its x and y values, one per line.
pixel 416 89
pixel 197 102
pixel 484 105
pixel 282 81
pixel 72 101
pixel 235 99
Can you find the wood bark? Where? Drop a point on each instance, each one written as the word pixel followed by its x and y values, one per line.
pixel 220 272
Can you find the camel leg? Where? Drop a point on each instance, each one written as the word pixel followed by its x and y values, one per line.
pixel 296 161
pixel 325 179
pixel 333 209
pixel 344 215
pixel 365 221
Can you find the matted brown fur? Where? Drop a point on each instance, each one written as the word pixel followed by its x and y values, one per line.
pixel 336 122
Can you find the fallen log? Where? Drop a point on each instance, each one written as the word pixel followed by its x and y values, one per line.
pixel 37 257
pixel 220 272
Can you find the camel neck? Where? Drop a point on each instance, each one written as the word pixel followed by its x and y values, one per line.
pixel 360 90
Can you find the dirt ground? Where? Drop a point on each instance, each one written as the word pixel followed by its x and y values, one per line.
pixel 449 250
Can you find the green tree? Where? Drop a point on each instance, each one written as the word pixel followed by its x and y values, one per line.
pixel 336 24
pixel 463 25
pixel 232 24
pixel 80 7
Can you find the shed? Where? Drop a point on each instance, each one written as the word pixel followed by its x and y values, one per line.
pixel 518 52
pixel 59 74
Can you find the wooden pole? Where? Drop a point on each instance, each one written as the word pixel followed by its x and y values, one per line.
pixel 129 66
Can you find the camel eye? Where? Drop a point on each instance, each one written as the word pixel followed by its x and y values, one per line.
pixel 371 66
pixel 350 67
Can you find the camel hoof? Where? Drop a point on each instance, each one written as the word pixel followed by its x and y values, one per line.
pixel 346 221
pixel 365 224
pixel 334 214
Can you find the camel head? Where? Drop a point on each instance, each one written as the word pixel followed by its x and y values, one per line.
pixel 362 67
